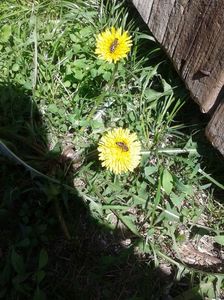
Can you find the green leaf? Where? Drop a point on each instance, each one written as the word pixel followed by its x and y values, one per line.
pixel 5 33
pixel 17 262
pixel 43 259
pixel 128 222
pixel 143 247
pixel 74 38
pixel 150 170
pixel 167 181
pixel 53 108
pixel 151 94
pixel 177 200
pixel 67 83
pixel 171 214
pixel 219 239
pixel 40 275
pixel 85 32
pixel 78 74
pixel 107 76
pixel 15 68
pixel 183 188
pixel 115 207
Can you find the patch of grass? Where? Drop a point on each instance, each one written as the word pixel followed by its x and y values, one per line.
pixel 71 229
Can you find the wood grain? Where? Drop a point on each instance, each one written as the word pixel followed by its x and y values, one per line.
pixel 191 32
pixel 215 128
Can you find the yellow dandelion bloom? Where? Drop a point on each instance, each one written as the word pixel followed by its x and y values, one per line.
pixel 113 45
pixel 119 150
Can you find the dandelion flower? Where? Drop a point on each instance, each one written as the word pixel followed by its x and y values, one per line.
pixel 113 45
pixel 119 150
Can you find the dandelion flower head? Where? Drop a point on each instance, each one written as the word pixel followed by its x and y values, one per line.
pixel 113 45
pixel 119 150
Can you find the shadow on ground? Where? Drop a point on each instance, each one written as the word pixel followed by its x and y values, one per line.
pixel 85 259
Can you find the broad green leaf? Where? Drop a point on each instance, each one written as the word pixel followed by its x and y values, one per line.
pixel 167 181
pixel 78 74
pixel 53 108
pixel 5 33
pixel 143 247
pixel 138 200
pixel 142 190
pixel 151 94
pixel 171 214
pixel 115 207
pixel 150 170
pixel 107 76
pixel 219 239
pixel 131 116
pixel 74 38
pixel 15 68
pixel 177 200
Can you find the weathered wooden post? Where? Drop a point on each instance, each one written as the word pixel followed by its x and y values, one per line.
pixel 191 33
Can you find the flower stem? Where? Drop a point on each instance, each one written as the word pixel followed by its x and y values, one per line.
pixel 172 151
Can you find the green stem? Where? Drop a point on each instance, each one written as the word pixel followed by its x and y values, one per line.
pixel 171 151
